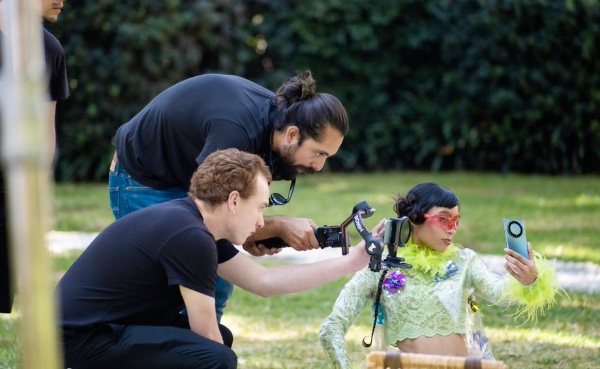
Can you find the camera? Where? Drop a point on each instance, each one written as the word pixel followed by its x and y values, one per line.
pixel 327 236
pixel 396 233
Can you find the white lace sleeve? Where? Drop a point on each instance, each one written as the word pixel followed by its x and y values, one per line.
pixel 488 285
pixel 353 298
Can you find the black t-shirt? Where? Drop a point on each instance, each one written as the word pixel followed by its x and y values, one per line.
pixel 130 274
pixel 56 68
pixel 164 143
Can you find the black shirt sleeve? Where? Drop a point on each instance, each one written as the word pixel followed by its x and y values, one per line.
pixel 191 258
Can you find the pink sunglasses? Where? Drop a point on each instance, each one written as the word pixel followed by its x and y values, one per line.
pixel 446 221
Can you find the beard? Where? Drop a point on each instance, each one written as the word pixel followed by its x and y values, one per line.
pixel 282 165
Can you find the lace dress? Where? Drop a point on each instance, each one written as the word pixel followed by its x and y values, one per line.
pixel 431 302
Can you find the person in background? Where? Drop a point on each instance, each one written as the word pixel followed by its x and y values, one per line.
pixel 56 67
pixel 295 130
pixel 432 307
pixel 58 89
pixel 121 300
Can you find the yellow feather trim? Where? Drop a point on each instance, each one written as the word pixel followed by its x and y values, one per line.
pixel 533 299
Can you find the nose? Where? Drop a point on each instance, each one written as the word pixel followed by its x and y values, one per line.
pixel 318 164
pixel 452 231
pixel 261 221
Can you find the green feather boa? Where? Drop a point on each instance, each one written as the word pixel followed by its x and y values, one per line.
pixel 426 260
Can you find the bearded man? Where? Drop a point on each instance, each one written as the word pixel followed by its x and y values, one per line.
pixel 294 130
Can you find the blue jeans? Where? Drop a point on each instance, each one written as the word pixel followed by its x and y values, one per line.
pixel 128 195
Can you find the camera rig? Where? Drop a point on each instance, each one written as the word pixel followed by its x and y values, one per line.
pixel 396 234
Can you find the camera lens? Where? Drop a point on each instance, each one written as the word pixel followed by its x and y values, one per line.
pixel 515 229
pixel 397 231
pixel 404 232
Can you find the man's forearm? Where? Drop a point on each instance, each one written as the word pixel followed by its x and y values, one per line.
pixel 301 277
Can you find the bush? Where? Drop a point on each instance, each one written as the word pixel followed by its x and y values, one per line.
pixel 470 85
pixel 121 54
pixel 475 85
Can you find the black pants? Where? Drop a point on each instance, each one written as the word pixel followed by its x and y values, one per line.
pixel 148 347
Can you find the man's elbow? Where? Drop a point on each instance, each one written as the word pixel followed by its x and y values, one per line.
pixel 265 293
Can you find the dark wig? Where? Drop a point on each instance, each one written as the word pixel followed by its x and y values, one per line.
pixel 423 197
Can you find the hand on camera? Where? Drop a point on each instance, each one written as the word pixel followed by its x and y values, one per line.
pixel 299 234
pixel 259 250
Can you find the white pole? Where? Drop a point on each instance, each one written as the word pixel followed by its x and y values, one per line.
pixel 26 164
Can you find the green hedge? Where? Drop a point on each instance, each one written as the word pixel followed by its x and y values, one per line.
pixel 121 54
pixel 433 85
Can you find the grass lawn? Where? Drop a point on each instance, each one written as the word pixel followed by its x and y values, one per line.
pixel 561 216
pixel 561 213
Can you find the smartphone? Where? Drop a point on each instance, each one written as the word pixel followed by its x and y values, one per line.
pixel 514 231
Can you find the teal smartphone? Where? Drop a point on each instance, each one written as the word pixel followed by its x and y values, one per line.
pixel 514 231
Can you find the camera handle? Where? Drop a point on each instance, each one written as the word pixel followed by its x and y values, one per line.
pixel 374 247
pixel 360 210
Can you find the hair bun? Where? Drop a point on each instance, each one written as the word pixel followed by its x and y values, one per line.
pixel 305 90
pixel 300 87
pixel 405 206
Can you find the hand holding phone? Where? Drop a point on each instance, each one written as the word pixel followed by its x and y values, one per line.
pixel 514 232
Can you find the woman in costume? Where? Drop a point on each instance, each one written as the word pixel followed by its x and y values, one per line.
pixel 431 308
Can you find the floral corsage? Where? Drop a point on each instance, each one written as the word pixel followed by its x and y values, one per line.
pixel 394 282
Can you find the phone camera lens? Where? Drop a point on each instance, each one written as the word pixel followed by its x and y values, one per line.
pixel 515 229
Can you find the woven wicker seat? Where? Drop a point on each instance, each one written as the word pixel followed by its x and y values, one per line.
pixel 398 360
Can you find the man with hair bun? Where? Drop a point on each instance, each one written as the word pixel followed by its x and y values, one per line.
pixel 121 300
pixel 295 130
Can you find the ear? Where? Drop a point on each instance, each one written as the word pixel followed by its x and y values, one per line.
pixel 232 201
pixel 292 133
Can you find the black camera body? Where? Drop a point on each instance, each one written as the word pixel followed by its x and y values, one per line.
pixel 326 235
pixel 329 236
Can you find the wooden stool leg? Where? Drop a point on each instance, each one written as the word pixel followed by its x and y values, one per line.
pixel 392 360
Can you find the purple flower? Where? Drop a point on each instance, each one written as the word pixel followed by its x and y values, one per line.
pixel 394 282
